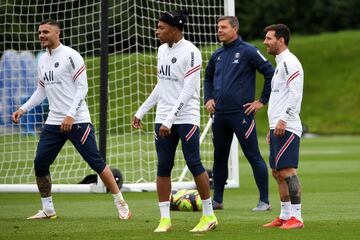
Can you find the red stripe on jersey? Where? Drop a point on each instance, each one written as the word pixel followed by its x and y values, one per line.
pixel 282 150
pixel 77 74
pixel 86 134
pixel 191 133
pixel 294 75
pixel 292 78
pixel 191 71
pixel 251 128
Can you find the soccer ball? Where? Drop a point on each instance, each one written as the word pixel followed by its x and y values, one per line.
pixel 175 197
pixel 186 200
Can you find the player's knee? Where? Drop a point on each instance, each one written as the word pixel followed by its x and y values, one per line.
pixel 41 167
pixel 196 168
pixel 275 174
pixel 164 170
pixel 97 166
pixel 282 175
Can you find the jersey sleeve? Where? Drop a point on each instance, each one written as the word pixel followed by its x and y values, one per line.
pixel 294 82
pixel 78 71
pixel 209 79
pixel 266 69
pixel 36 98
pixel 191 83
pixel 149 103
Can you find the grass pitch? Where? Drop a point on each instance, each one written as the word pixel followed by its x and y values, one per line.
pixel 329 173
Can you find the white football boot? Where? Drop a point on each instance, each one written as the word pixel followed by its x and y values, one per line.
pixel 123 209
pixel 42 214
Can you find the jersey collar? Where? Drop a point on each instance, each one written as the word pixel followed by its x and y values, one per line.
pixel 55 50
pixel 282 55
pixel 234 43
pixel 177 44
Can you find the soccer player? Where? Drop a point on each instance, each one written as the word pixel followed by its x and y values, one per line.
pixel 229 95
pixel 63 80
pixel 177 95
pixel 285 125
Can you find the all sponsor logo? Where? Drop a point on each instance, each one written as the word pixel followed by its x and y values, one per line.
pixel 173 60
pixel 56 64
pixel 164 70
pixel 49 77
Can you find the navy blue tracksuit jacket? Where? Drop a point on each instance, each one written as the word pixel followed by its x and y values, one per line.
pixel 230 80
pixel 231 73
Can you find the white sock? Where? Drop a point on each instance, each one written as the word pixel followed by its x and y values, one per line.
pixel 285 213
pixel 296 211
pixel 118 197
pixel 48 205
pixel 164 209
pixel 207 208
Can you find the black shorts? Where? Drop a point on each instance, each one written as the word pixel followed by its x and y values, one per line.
pixel 166 147
pixel 284 151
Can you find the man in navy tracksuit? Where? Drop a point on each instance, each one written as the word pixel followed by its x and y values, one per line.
pixel 229 95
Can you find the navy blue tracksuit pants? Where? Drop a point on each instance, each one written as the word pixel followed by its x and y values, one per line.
pixel 224 126
pixel 52 140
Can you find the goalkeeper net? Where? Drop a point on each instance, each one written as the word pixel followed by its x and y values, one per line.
pixel 131 77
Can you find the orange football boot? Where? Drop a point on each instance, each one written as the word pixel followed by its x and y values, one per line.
pixel 278 222
pixel 293 222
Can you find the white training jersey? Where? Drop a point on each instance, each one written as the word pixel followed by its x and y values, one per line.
pixel 286 92
pixel 177 92
pixel 63 80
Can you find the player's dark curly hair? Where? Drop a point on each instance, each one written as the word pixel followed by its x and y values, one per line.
pixel 281 31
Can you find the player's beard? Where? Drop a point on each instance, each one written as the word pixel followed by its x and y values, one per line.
pixel 44 43
pixel 273 50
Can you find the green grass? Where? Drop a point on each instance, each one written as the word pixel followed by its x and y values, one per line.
pixel 329 173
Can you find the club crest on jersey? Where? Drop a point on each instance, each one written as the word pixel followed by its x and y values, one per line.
pixel 236 57
pixel 173 60
pixel 56 64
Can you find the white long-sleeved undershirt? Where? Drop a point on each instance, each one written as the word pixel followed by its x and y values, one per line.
pixel 63 80
pixel 177 93
pixel 286 93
